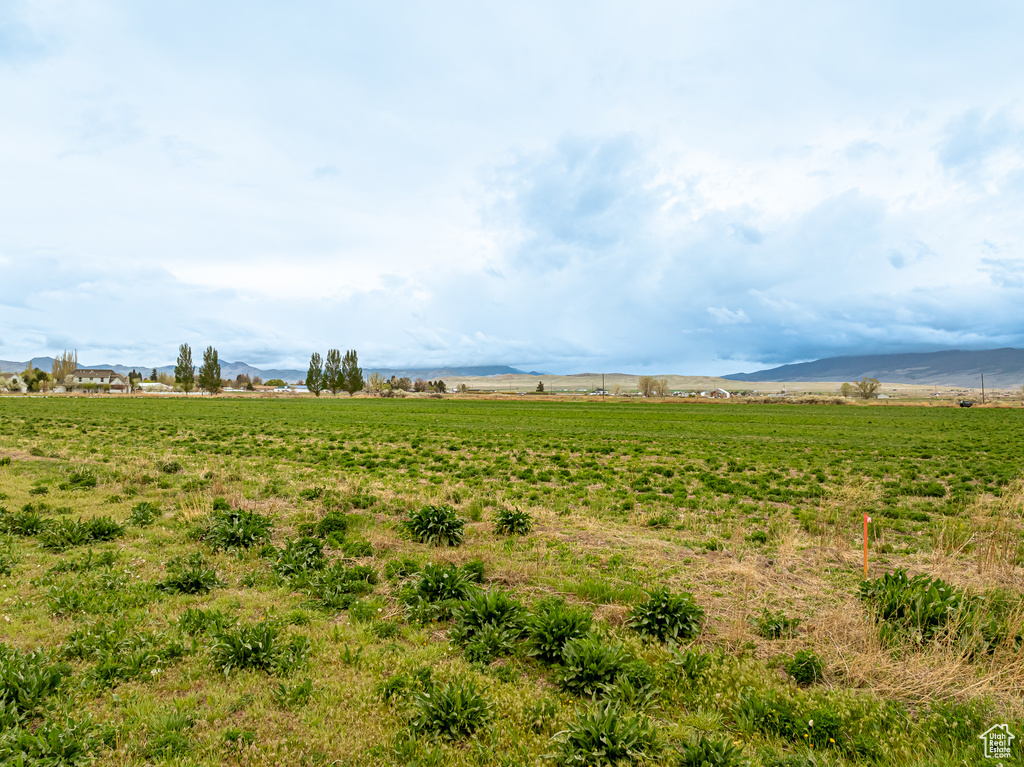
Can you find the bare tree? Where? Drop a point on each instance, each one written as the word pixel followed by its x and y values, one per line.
pixel 646 385
pixel 65 365
pixel 661 387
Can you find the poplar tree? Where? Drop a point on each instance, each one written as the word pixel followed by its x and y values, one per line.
pixel 351 373
pixel 315 375
pixel 332 380
pixel 209 373
pixel 185 371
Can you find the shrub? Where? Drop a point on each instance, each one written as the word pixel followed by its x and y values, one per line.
pixel 775 625
pixel 704 752
pixel 606 736
pixel 667 616
pixel 435 525
pixel 512 522
pixel 221 504
pixel 455 710
pixel 190 575
pixel 5 461
pixel 552 625
pixel 170 467
pixel 590 665
pixel 144 514
pixel 805 667
pixel 237 529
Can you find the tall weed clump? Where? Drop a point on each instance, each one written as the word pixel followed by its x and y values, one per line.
pixel 258 647
pixel 487 624
pixel 590 665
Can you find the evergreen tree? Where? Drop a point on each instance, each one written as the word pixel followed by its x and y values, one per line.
pixel 153 375
pixel 185 371
pixel 351 373
pixel 315 375
pixel 333 380
pixel 209 373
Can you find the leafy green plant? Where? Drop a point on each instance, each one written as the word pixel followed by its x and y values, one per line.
pixel 260 647
pixel 300 557
pixel 454 710
pixel 9 556
pixel 667 616
pixel 28 521
pixel 58 741
pixel 27 679
pixel 921 608
pixel 705 752
pixel 552 624
pixel 512 521
pixel 805 667
pixel 590 665
pixel 607 736
pixel 338 586
pixel 190 575
pixel 79 480
pixel 292 695
pixel 64 534
pixel 196 620
pixel 435 525
pixel 237 529
pixel 144 514
pixel 487 624
pixel 357 548
pixel 775 625
pixel 438 583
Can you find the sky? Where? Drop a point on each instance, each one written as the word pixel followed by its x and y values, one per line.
pixel 656 187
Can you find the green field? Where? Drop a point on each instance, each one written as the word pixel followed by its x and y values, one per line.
pixel 240 581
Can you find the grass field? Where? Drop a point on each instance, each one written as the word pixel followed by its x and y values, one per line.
pixel 257 582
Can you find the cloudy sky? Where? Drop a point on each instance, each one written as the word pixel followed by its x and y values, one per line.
pixel 674 187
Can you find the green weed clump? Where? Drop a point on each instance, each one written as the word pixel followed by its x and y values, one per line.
pixel 9 556
pixel 300 557
pixel 79 480
pixel 552 624
pixel 27 679
pixel 923 609
pixel 190 575
pixel 64 534
pixel 607 736
pixel 590 665
pixel 487 625
pixel 453 711
pixel 196 620
pixel 29 521
pixel 775 625
pixel 144 514
pixel 667 616
pixel 236 529
pixel 58 741
pixel 805 667
pixel 338 586
pixel 510 521
pixel 435 525
pixel 259 647
pixel 705 752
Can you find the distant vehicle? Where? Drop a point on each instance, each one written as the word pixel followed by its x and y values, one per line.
pixel 599 391
pixel 965 403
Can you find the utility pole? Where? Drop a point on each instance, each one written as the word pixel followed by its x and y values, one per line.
pixel 982 388
pixel 602 387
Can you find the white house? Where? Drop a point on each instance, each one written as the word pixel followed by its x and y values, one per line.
pixel 103 379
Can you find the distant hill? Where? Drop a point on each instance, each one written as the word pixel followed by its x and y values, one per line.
pixel 230 370
pixel 1003 369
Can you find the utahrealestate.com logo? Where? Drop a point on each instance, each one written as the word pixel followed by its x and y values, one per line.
pixel 998 740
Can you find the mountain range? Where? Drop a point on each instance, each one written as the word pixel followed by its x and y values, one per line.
pixel 231 370
pixel 1002 368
